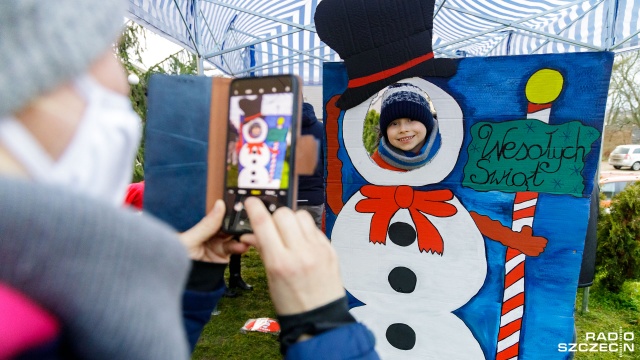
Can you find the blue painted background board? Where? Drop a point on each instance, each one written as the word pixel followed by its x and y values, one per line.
pixel 492 89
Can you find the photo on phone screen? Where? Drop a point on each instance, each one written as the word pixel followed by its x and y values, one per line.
pixel 260 146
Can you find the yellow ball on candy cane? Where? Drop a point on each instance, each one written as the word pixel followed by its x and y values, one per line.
pixel 544 86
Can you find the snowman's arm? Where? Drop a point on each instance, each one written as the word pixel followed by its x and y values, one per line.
pixel 524 241
pixel 334 164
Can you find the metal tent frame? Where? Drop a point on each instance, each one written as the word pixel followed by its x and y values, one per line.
pixel 263 37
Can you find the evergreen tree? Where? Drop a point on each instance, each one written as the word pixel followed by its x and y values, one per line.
pixel 371 133
pixel 618 252
pixel 129 51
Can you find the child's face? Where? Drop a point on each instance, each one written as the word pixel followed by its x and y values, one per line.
pixel 255 131
pixel 406 134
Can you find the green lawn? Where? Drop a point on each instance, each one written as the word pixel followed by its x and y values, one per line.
pixel 223 340
pixel 610 313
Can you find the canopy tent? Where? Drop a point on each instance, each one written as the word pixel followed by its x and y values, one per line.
pixel 263 37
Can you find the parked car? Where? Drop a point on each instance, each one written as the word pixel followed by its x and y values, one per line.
pixel 611 186
pixel 627 156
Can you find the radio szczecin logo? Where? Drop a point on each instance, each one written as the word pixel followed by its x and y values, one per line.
pixel 612 342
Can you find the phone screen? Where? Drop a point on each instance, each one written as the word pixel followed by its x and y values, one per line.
pixel 259 146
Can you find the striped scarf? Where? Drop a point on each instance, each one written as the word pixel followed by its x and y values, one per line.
pixel 407 160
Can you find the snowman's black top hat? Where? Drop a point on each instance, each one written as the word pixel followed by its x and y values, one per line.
pixel 251 108
pixel 381 42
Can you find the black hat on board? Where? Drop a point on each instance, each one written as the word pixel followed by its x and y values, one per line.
pixel 381 42
pixel 251 108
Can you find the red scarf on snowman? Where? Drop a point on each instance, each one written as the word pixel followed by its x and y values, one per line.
pixel 385 201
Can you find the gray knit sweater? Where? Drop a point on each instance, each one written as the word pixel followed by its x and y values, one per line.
pixel 114 279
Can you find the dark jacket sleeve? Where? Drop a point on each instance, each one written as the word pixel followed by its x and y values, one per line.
pixel 205 286
pixel 311 187
pixel 196 311
pixel 352 341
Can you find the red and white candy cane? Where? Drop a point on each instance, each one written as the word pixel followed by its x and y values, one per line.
pixel 274 155
pixel 274 151
pixel 524 207
pixel 542 89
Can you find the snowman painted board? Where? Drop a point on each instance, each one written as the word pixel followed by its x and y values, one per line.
pixel 430 263
pixel 255 156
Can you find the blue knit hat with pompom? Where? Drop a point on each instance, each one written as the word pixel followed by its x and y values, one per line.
pixel 402 100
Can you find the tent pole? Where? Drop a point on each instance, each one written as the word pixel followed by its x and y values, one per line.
pixel 609 42
pixel 585 300
pixel 196 22
pixel 255 42
pixel 611 24
pixel 186 24
pixel 200 65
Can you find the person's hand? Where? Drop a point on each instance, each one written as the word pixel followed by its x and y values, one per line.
pixel 302 267
pixel 205 242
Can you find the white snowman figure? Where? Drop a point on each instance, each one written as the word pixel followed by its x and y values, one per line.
pixel 254 154
pixel 430 261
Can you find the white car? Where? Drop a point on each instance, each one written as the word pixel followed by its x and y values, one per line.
pixel 627 156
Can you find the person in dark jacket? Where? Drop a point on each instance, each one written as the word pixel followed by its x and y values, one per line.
pixel 311 188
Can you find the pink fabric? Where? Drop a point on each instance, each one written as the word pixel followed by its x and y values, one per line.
pixel 23 324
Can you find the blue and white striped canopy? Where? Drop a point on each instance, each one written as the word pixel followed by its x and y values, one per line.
pixel 262 37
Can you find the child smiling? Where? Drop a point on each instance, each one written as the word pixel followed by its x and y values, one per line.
pixel 408 127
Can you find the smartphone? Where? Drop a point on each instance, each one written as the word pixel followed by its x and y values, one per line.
pixel 264 123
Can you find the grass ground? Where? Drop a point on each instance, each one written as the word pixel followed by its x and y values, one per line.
pixel 607 313
pixel 222 339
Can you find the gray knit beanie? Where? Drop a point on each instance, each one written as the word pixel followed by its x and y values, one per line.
pixel 46 43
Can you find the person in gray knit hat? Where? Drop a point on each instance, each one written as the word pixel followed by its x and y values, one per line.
pixel 116 285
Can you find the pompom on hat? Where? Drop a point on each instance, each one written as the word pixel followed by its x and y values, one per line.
pixel 404 100
pixel 44 44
